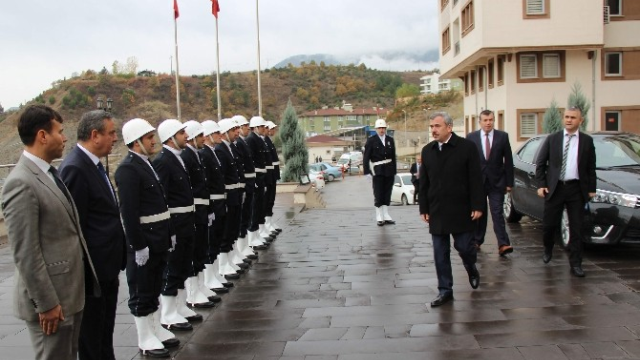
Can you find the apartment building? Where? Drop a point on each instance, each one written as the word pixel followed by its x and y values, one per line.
pixel 516 56
pixel 433 84
pixel 328 120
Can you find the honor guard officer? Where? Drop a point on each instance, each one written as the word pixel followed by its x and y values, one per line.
pixel 233 187
pixel 380 164
pixel 250 186
pixel 215 186
pixel 145 217
pixel 197 292
pixel 175 181
pixel 257 233
pixel 271 226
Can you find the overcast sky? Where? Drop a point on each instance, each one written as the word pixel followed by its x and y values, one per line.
pixel 46 40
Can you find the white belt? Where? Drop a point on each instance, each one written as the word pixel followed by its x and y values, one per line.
pixel 198 201
pixel 270 167
pixel 182 209
pixel 249 175
pixel 217 197
pixel 276 163
pixel 258 170
pixel 234 186
pixel 386 161
pixel 154 218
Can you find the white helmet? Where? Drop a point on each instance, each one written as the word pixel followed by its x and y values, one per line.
pixel 380 123
pixel 210 127
pixel 240 120
pixel 226 125
pixel 271 125
pixel 193 129
pixel 134 129
pixel 257 121
pixel 168 128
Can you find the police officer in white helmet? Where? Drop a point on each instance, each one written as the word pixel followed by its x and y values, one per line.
pixel 380 167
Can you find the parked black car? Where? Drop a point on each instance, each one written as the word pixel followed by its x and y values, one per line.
pixel 613 215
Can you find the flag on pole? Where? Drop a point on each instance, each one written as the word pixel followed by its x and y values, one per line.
pixel 215 8
pixel 176 12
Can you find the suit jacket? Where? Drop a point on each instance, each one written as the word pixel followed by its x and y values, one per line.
pixel 497 171
pixel 49 251
pixel 374 151
pixel 273 160
pixel 413 170
pixel 249 170
pixel 197 175
pixel 215 181
pixel 177 186
pixel 259 152
pixel 141 194
pixel 229 167
pixel 549 163
pixel 99 213
pixel 449 186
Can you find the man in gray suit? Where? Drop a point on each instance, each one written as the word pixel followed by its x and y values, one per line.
pixel 49 251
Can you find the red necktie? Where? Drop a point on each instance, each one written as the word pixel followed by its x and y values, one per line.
pixel 487 147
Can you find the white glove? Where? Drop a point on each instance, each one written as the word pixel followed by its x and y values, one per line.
pixel 369 177
pixel 142 256
pixel 211 217
pixel 173 243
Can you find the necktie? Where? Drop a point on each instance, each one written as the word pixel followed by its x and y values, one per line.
pixel 59 183
pixel 565 155
pixel 105 177
pixel 487 147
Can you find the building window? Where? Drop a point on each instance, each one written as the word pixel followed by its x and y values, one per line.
pixel 327 127
pixel 535 9
pixel 528 125
pixel 541 67
pixel 490 74
pixel 443 4
pixel 615 7
pixel 466 84
pixel 481 79
pixel 467 18
pixel 455 2
pixel 446 41
pixel 500 70
pixel 612 120
pixel 613 64
pixel 472 82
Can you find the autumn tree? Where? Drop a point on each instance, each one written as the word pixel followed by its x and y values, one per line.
pixel 294 147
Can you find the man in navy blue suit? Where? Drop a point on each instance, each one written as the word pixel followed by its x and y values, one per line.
pixel 97 205
pixel 496 162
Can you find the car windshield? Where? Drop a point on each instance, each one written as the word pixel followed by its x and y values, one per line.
pixel 617 151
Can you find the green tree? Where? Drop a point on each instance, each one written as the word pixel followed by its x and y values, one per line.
pixel 552 120
pixel 407 90
pixel 578 100
pixel 294 147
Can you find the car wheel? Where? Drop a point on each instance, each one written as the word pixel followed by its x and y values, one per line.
pixel 510 214
pixel 404 200
pixel 331 178
pixel 564 230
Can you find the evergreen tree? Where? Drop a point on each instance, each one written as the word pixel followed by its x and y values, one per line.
pixel 294 148
pixel 578 100
pixel 552 120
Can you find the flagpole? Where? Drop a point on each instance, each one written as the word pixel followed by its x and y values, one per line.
pixel 175 28
pixel 259 86
pixel 218 73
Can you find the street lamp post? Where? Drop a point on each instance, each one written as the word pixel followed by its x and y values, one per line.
pixel 101 106
pixel 406 140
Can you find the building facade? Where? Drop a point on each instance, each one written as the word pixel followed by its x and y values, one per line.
pixel 327 120
pixel 514 57
pixel 433 84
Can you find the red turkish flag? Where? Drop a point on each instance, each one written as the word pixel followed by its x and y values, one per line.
pixel 215 8
pixel 176 12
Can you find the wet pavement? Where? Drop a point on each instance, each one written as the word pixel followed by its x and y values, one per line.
pixel 336 286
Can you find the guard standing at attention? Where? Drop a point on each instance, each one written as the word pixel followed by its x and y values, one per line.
pixel 380 166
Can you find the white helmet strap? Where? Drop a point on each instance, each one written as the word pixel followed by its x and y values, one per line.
pixel 144 151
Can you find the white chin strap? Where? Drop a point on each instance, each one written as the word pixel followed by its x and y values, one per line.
pixel 144 151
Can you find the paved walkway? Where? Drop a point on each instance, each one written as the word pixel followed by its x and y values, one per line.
pixel 335 286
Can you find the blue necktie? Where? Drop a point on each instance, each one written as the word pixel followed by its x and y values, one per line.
pixel 106 178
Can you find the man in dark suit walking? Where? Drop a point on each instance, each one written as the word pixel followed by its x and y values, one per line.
pixel 566 173
pixel 380 166
pixel 414 170
pixel 95 199
pixel 496 163
pixel 451 200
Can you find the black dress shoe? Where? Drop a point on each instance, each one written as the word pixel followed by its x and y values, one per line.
pixel 278 230
pixel 260 247
pixel 441 299
pixel 221 290
pixel 241 271
pixel 380 223
pixel 252 257
pixel 228 284
pixel 546 257
pixel 247 260
pixel 156 353
pixel 215 299
pixel 170 343
pixel 192 318
pixel 390 222
pixel 178 326
pixel 577 271
pixel 232 276
pixel 203 305
pixel 242 265
pixel 474 276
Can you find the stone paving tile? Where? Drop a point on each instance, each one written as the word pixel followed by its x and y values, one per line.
pixel 546 352
pixel 605 350
pixel 529 338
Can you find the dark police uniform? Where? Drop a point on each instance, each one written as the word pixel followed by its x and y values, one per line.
pixel 233 192
pixel 244 152
pixel 273 169
pixel 145 216
pixel 380 161
pixel 198 177
pixel 216 190
pixel 175 181
pixel 259 153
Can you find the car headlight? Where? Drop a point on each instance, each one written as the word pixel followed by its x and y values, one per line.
pixel 614 198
